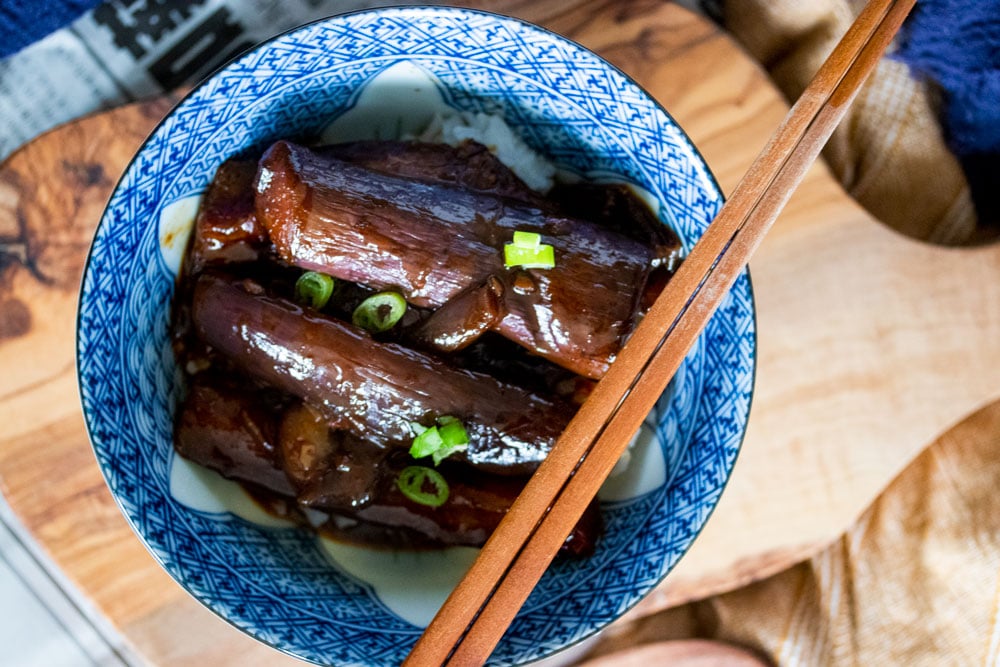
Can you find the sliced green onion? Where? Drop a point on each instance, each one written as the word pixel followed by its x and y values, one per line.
pixel 528 251
pixel 414 481
pixel 542 257
pixel 453 437
pixel 313 289
pixel 445 452
pixel 440 441
pixel 379 312
pixel 453 433
pixel 426 443
pixel 527 239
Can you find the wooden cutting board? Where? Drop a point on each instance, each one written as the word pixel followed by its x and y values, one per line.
pixel 870 344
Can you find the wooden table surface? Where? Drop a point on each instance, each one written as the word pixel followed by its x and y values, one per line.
pixel 870 344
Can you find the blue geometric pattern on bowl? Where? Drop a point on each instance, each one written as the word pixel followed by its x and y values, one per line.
pixel 275 584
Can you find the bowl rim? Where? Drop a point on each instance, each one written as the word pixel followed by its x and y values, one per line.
pixel 404 10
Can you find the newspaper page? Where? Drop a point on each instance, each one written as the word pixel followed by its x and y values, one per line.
pixel 134 49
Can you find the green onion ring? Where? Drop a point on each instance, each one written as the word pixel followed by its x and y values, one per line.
pixel 313 289
pixel 379 312
pixel 412 481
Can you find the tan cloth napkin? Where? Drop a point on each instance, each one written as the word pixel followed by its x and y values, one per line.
pixel 888 153
pixel 915 581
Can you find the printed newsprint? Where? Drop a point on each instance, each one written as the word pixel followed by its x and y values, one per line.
pixel 134 49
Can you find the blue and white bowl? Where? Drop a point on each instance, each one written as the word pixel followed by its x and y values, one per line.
pixel 371 74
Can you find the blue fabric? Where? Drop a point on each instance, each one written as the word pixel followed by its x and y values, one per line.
pixel 956 43
pixel 25 21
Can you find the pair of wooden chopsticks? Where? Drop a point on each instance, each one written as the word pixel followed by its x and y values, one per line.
pixel 476 614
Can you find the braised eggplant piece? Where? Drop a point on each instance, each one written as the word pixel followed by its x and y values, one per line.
pixel 340 473
pixel 460 322
pixel 236 434
pixel 226 233
pixel 431 241
pixel 231 432
pixel 331 470
pixel 226 229
pixel 475 506
pixel 375 390
pixel 615 206
pixel 469 165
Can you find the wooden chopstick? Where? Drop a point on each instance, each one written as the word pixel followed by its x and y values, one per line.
pixel 476 614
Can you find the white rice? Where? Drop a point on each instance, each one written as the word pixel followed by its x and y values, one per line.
pixel 490 130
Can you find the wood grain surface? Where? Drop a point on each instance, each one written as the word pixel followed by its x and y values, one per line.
pixel 679 653
pixel 870 344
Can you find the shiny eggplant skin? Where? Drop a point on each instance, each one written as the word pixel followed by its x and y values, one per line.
pixel 247 438
pixel 469 165
pixel 226 229
pixel 617 207
pixel 475 506
pixel 431 241
pixel 232 432
pixel 373 389
pixel 463 320
pixel 331 470
pixel 335 453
